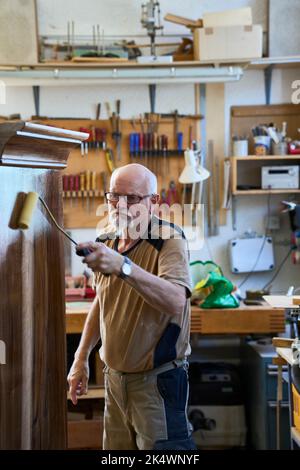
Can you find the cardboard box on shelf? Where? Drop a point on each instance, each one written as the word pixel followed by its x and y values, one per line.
pixel 228 43
pixel 236 17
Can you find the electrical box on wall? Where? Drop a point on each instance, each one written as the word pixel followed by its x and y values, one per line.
pixel 251 254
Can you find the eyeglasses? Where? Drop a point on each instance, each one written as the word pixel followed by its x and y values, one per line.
pixel 130 198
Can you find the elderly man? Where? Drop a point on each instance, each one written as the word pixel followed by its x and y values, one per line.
pixel 142 314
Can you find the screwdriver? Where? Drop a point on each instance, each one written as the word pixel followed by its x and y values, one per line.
pixel 94 176
pixel 76 187
pixel 65 185
pixel 71 187
pixel 88 187
pixel 82 183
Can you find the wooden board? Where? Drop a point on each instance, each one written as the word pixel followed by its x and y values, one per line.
pixel 18 32
pixel 215 123
pixel 77 214
pixel 32 315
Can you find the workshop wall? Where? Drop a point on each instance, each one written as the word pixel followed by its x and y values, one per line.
pixel 123 17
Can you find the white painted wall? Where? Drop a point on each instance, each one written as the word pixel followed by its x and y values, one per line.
pixel 122 17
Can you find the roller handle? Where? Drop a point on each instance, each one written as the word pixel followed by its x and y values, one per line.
pixel 83 252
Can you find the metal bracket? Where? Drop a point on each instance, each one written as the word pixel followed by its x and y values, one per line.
pixel 152 96
pixel 268 72
pixel 36 97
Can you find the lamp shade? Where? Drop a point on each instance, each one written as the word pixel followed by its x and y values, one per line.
pixel 191 172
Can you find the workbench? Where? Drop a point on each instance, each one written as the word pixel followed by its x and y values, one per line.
pixel 241 321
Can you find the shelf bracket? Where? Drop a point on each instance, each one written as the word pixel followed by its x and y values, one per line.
pixel 152 96
pixel 268 72
pixel 36 97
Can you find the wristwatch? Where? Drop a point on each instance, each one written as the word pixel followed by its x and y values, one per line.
pixel 126 268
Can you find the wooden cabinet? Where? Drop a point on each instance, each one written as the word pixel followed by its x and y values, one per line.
pixel 32 309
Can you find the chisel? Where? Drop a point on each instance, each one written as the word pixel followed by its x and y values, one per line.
pixel 93 187
pixel 82 187
pixel 88 187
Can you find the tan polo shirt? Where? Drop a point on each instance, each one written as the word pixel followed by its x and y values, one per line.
pixel 135 336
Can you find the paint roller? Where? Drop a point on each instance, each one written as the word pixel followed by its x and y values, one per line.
pixel 26 216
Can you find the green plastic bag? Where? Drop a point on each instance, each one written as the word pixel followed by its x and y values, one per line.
pixel 211 287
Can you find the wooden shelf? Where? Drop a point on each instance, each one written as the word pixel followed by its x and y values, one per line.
pixel 267 158
pixel 253 177
pixel 258 192
pixel 277 62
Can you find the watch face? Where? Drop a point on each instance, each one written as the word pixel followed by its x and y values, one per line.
pixel 126 269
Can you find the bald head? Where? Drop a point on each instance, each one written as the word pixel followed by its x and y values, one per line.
pixel 134 179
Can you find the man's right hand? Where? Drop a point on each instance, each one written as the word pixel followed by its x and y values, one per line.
pixel 78 378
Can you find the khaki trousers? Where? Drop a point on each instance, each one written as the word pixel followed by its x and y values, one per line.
pixel 145 411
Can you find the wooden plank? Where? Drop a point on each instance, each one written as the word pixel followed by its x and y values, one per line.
pixel 85 434
pixel 183 21
pixel 254 192
pixel 32 314
pixel 215 122
pixel 265 110
pixel 268 158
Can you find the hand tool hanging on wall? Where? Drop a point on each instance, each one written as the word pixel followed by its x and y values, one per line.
pixel 65 180
pixel 93 187
pixel 85 144
pixel 109 156
pixel 71 188
pixel 115 120
pixel 98 111
pixel 88 188
pixel 82 187
pixel 76 187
